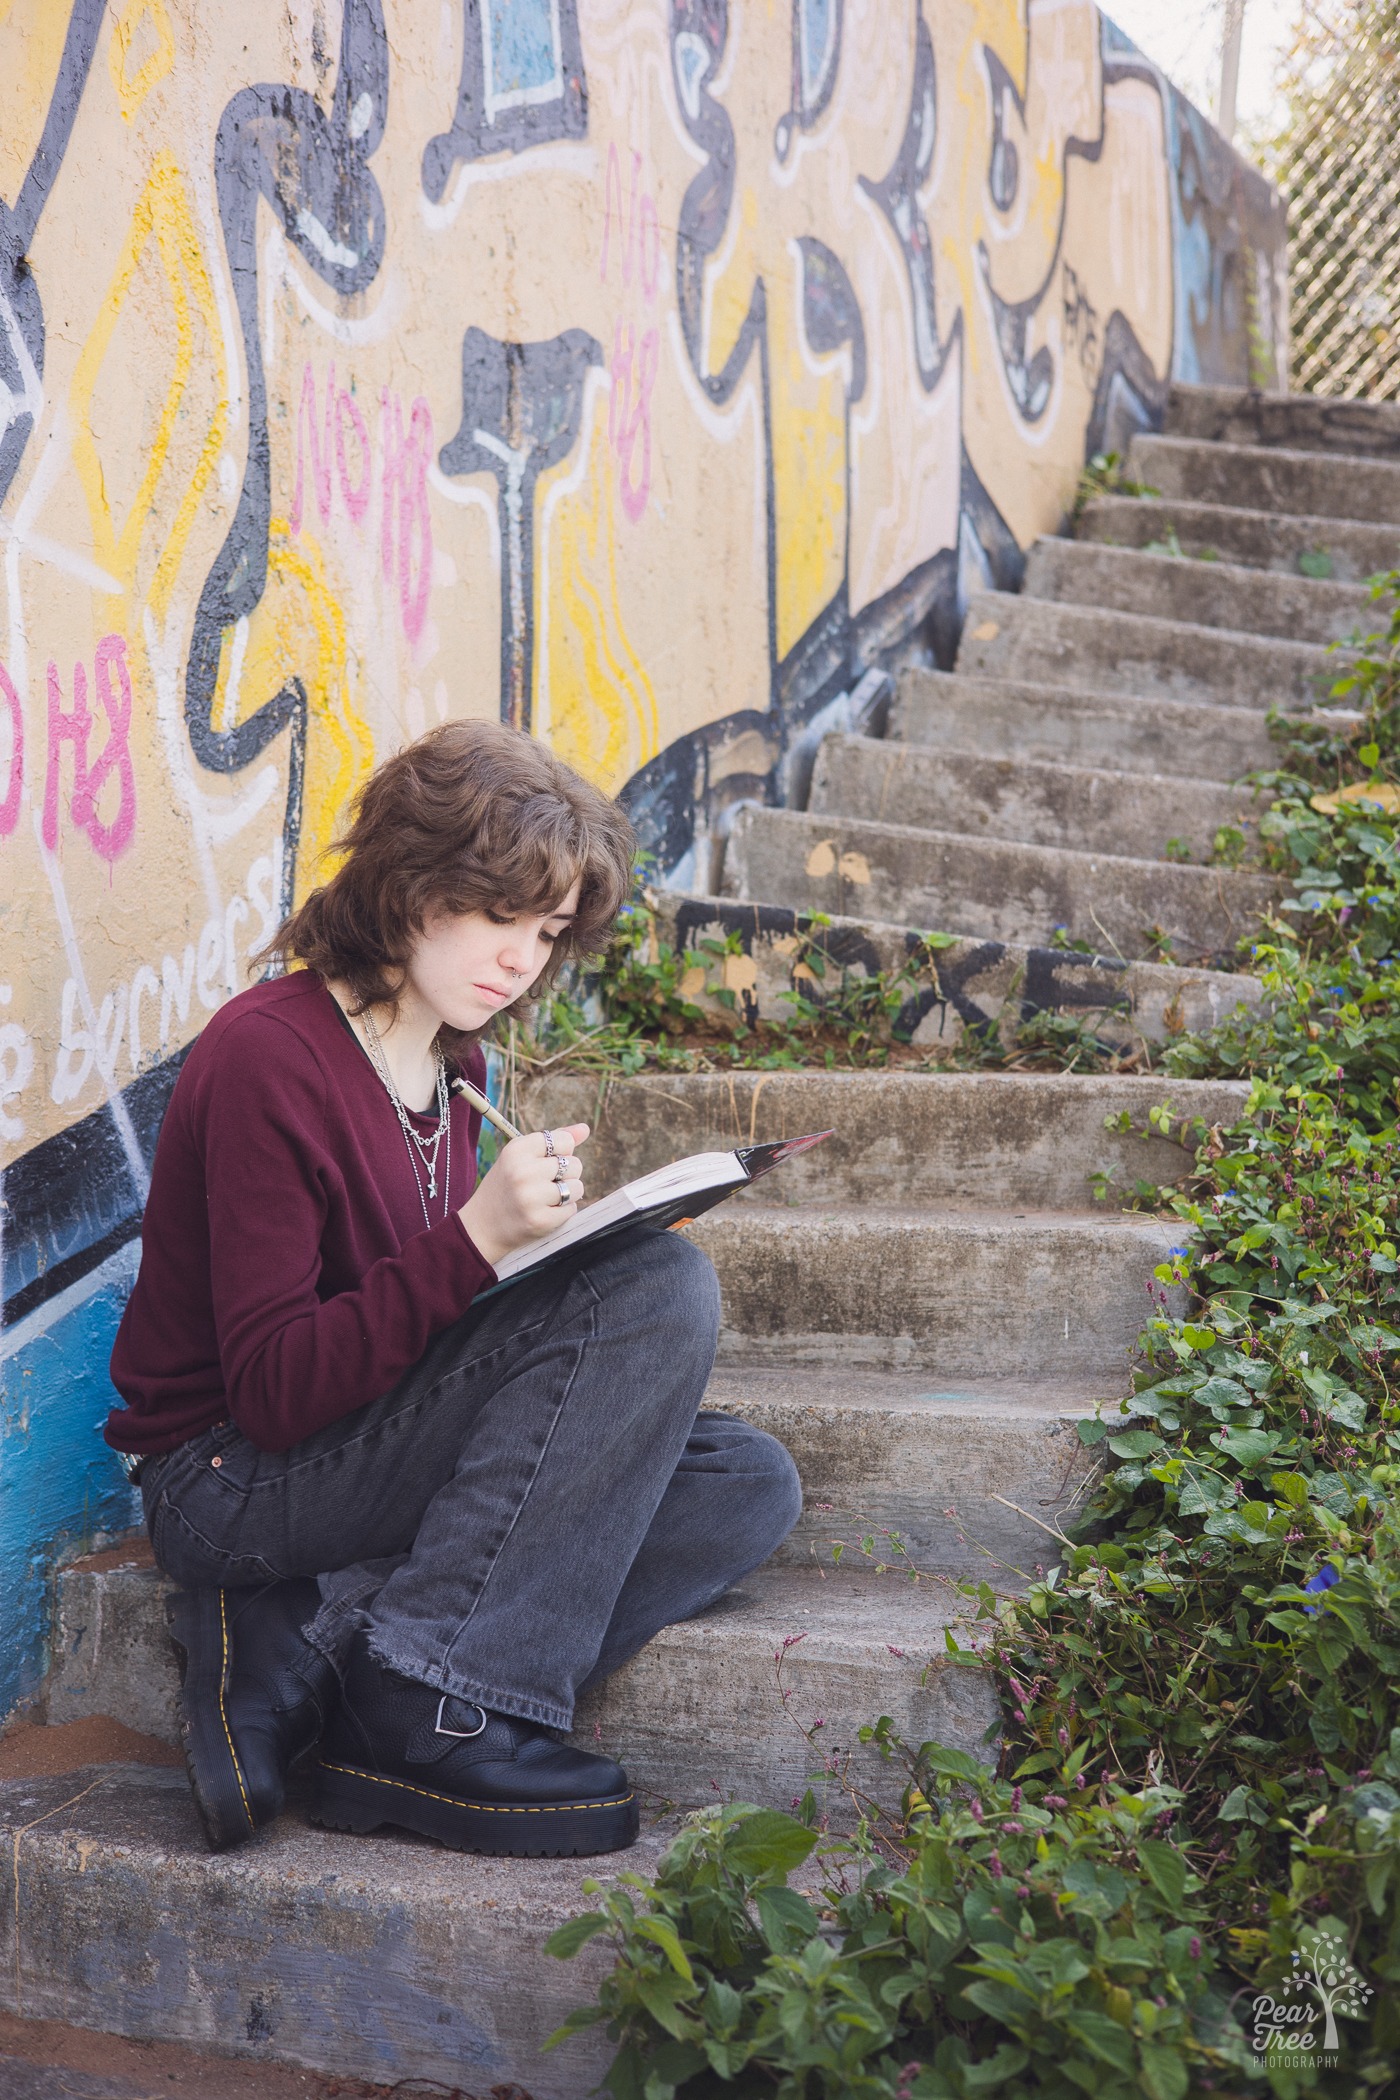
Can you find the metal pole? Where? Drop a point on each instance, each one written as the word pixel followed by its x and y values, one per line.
pixel 1230 39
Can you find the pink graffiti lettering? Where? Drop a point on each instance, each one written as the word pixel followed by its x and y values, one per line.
pixel 334 442
pixel 405 522
pixel 642 251
pixel 75 726
pixel 355 495
pixel 320 446
pixel 9 808
pixel 629 413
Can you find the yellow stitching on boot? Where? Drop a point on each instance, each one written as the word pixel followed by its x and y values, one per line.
pixel 223 1711
pixel 483 1808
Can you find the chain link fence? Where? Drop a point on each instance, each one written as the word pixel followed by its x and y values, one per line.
pixel 1337 162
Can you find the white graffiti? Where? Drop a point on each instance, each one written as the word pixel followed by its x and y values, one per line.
pixel 212 967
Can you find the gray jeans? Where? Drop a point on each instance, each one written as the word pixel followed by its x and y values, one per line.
pixel 524 1510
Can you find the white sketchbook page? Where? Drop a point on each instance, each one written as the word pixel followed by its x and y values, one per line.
pixel 684 1177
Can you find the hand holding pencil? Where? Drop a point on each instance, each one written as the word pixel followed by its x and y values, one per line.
pixel 520 1197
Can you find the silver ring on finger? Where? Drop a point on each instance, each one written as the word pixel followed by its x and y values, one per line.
pixel 561 1169
pixel 549 1144
pixel 566 1195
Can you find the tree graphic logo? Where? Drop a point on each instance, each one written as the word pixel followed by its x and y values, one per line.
pixel 1326 1984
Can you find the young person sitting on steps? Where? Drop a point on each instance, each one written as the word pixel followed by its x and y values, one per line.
pixel 411 1523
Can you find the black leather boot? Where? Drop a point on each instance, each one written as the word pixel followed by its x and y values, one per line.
pixel 399 1752
pixel 255 1697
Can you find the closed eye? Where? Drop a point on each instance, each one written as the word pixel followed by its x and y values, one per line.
pixel 546 933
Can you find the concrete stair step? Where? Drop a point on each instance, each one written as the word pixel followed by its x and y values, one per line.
pixel 968 1476
pixel 973 984
pixel 1268 477
pixel 1093 650
pixel 1140 815
pixel 1258 539
pixel 1301 422
pixel 1042 1294
pixel 1019 1138
pixel 1206 594
pixel 1118 732
pixel 695 1716
pixel 993 887
pixel 379 1958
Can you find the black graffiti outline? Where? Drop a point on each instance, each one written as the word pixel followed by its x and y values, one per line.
pixel 802 114
pixel 474 133
pixel 1003 162
pixel 1030 382
pixel 522 405
pixel 276 143
pixel 1129 395
pixel 896 193
pixel 22 333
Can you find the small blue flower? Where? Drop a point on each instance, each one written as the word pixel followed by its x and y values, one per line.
pixel 1177 1252
pixel 1324 1579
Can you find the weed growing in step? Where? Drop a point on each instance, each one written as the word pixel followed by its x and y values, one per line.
pixel 1105 476
pixel 650 1007
pixel 1198 1777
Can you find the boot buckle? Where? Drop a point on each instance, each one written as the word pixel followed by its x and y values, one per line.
pixel 463 1734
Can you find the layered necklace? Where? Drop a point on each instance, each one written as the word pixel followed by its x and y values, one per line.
pixel 422 1151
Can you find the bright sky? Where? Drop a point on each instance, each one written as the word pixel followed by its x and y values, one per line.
pixel 1183 36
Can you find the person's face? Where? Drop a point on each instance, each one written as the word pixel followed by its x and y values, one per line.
pixel 467 966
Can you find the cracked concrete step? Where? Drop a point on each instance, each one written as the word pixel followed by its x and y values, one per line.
pixel 1035 1294
pixel 1121 732
pixel 1301 422
pixel 1097 651
pixel 379 1958
pixel 1204 593
pixel 1259 539
pixel 969 1476
pixel 1020 1138
pixel 1002 890
pixel 695 1716
pixel 1261 477
pixel 974 984
pixel 1140 815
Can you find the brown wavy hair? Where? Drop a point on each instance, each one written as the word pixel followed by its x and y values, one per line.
pixel 474 816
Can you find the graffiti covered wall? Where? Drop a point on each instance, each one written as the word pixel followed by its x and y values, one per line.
pixel 640 372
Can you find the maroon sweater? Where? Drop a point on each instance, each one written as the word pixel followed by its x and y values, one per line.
pixel 286 1275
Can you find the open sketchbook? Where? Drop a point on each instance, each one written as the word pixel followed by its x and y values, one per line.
pixel 671 1196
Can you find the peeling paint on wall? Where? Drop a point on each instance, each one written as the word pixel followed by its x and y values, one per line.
pixel 639 372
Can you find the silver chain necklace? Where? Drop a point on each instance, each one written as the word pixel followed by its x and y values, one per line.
pixel 421 1150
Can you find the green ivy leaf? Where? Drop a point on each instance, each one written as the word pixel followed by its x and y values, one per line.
pixel 786 1917
pixel 565 1941
pixel 1166 1869
pixel 1135 1443
pixel 1164 2072
pixel 1250 1446
pixel 662 1933
pixel 1242 1805
pixel 952 1764
pixel 767 1842
pixel 1104 2038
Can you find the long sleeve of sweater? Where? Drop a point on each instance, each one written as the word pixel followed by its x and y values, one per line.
pixel 285 1280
